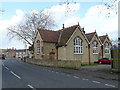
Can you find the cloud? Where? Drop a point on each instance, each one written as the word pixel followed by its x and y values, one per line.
pixel 97 18
pixel 62 13
pixel 4 24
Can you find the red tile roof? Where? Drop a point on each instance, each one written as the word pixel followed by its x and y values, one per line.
pixel 102 38
pixel 61 35
pixel 66 34
pixel 48 35
pixel 90 36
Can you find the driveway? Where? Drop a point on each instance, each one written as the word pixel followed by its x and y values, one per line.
pixel 101 71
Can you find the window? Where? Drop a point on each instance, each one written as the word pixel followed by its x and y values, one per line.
pixel 78 46
pixel 38 47
pixel 106 48
pixel 95 47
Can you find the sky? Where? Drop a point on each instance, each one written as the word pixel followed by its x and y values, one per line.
pixel 90 15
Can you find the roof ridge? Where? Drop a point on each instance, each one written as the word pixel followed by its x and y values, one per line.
pixel 90 33
pixel 68 27
pixel 103 35
pixel 46 29
pixel 71 26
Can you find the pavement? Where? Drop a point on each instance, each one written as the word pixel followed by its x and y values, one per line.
pixel 102 71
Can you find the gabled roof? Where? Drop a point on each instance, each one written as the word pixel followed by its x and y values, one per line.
pixel 102 38
pixel 90 36
pixel 66 34
pixel 61 37
pixel 49 36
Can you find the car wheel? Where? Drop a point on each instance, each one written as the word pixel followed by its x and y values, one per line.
pixel 100 62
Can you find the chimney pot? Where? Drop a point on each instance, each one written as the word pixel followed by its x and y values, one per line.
pixel 83 30
pixel 63 27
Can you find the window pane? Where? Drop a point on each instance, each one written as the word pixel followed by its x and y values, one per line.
pixel 77 45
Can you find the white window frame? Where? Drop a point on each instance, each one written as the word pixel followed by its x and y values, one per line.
pixel 38 47
pixel 78 46
pixel 106 48
pixel 95 47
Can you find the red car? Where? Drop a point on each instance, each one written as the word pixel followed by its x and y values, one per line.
pixel 104 60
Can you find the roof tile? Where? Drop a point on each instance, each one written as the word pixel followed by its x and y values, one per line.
pixel 102 38
pixel 90 36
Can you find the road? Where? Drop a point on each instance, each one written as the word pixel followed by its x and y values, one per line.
pixel 18 74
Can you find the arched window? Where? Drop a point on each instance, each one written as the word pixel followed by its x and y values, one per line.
pixel 38 47
pixel 106 48
pixel 78 46
pixel 95 47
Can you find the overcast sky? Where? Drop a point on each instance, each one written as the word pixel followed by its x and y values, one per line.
pixel 90 15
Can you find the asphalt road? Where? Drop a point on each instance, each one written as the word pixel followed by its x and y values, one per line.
pixel 17 74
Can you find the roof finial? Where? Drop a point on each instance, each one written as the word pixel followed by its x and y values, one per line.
pixel 95 30
pixel 78 23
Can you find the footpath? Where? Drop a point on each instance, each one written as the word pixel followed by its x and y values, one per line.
pixel 97 71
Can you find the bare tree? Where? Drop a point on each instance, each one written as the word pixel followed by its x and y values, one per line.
pixel 27 30
pixel 110 4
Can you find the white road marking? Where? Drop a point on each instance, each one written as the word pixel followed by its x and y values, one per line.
pixel 109 85
pixel 96 82
pixel 15 75
pixel 30 86
pixel 7 68
pixel 52 71
pixel 84 79
pixel 75 77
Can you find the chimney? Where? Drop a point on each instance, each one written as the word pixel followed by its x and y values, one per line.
pixel 63 27
pixel 83 30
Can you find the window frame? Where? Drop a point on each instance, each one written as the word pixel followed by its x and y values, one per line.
pixel 78 46
pixel 38 47
pixel 106 48
pixel 95 47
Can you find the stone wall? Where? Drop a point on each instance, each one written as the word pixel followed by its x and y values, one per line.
pixel 116 59
pixel 56 63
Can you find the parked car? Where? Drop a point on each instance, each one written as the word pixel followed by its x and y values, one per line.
pixel 105 60
pixel 3 56
pixel 23 58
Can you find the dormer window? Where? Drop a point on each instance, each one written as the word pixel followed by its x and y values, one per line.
pixel 78 46
pixel 38 47
pixel 95 47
